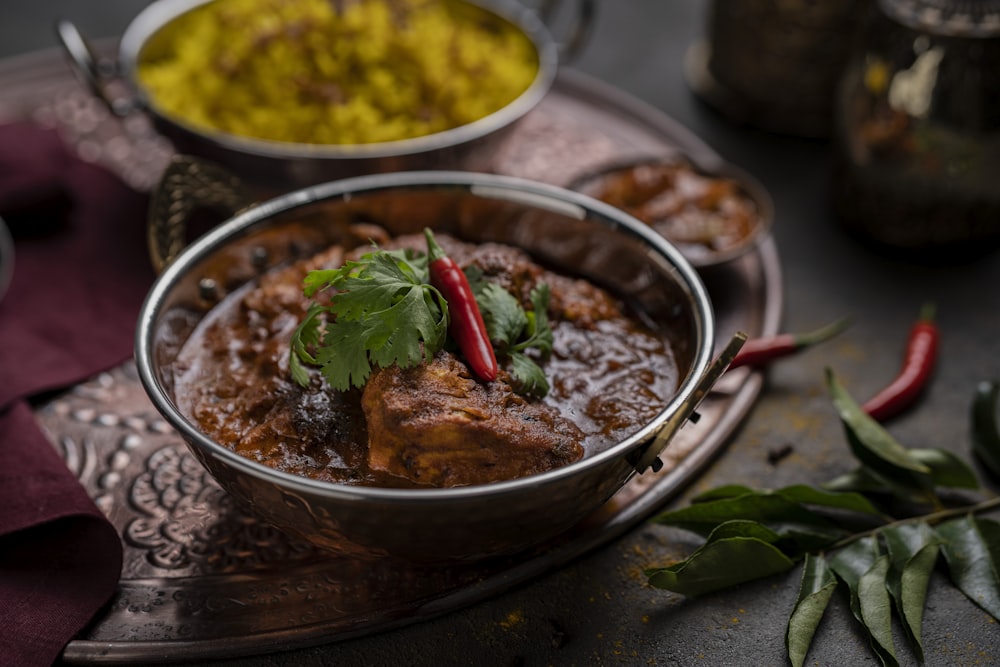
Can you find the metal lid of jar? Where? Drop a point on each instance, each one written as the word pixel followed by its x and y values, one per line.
pixel 953 18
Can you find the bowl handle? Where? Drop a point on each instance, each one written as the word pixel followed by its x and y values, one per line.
pixel 650 457
pixel 578 30
pixel 189 184
pixel 89 68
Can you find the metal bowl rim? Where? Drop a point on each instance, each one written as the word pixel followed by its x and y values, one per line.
pixel 527 191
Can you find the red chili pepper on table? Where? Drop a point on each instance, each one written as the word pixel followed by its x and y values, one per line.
pixel 759 352
pixel 918 363
pixel 466 324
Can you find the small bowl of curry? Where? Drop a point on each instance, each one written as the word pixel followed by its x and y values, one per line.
pixel 406 449
pixel 713 216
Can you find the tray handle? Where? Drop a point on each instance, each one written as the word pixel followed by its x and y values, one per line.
pixel 189 184
pixel 650 457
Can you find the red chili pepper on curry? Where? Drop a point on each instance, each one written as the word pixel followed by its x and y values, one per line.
pixel 466 323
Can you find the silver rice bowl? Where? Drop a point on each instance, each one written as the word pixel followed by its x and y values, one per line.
pixel 274 166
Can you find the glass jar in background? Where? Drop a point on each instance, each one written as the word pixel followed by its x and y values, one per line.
pixel 775 64
pixel 916 141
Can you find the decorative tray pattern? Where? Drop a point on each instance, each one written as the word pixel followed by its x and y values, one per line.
pixel 203 580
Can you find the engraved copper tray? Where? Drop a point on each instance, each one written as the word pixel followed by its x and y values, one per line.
pixel 203 580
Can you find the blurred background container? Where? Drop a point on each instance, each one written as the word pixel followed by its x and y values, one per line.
pixel 774 64
pixel 916 150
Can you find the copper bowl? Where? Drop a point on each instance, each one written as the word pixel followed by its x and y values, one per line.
pixel 558 227
pixel 272 166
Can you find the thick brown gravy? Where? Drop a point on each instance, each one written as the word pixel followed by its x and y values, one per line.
pixel 700 213
pixel 609 372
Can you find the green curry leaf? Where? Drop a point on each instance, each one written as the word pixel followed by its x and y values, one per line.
pixel 815 590
pixel 873 445
pixel 990 531
pixel 913 551
pixel 946 469
pixel 808 495
pixel 865 480
pixel 709 568
pixel 970 546
pixel 722 492
pixel 985 435
pixel 781 514
pixel 886 568
pixel 863 569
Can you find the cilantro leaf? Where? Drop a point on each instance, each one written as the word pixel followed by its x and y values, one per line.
pixel 538 330
pixel 343 358
pixel 384 312
pixel 308 334
pixel 391 344
pixel 529 377
pixel 515 330
pixel 505 319
pixel 323 278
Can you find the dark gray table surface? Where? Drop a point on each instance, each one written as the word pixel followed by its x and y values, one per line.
pixel 598 610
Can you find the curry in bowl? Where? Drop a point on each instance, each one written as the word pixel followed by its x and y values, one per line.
pixel 431 458
pixel 577 369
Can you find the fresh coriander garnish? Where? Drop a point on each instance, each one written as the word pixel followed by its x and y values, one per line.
pixel 515 330
pixel 384 311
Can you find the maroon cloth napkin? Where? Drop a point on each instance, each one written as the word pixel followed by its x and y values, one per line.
pixel 81 271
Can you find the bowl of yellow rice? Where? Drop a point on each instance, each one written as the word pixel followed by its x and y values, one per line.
pixel 288 93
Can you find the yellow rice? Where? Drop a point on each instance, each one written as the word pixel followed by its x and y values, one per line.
pixel 329 72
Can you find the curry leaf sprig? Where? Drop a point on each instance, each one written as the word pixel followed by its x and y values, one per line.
pixel 878 532
pixel 383 310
